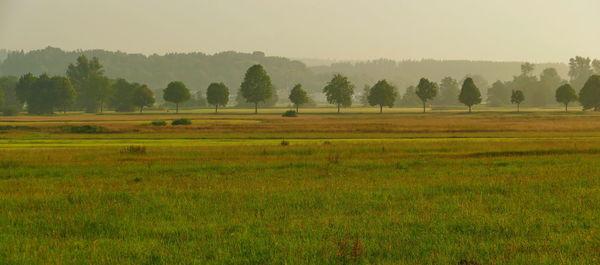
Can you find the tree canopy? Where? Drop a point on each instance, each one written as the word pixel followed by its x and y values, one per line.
pixel 382 94
pixel 426 91
pixel 339 91
pixel 589 96
pixel 176 92
pixel 298 96
pixel 93 88
pixel 217 94
pixel 565 94
pixel 469 94
pixel 143 97
pixel 517 97
pixel 44 94
pixel 257 86
pixel 449 91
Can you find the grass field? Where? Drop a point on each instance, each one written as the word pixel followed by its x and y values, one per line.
pixel 398 188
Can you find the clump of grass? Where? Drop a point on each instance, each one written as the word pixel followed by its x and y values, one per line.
pixel 158 123
pixel 134 150
pixel 350 251
pixel 501 164
pixel 84 129
pixel 333 158
pixel 467 262
pixel 181 122
pixel 285 143
pixel 290 113
pixel 327 143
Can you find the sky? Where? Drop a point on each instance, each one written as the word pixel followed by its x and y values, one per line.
pixel 497 30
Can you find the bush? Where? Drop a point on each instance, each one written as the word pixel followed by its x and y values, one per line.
pixel 84 129
pixel 159 123
pixel 290 113
pixel 181 122
pixel 18 127
pixel 134 150
pixel 10 111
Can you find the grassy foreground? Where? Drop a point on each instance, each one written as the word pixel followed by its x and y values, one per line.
pixel 231 193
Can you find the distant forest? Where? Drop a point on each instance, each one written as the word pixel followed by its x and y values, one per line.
pixel 198 70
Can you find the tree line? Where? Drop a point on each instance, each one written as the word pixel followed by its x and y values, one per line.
pixel 198 70
pixel 86 87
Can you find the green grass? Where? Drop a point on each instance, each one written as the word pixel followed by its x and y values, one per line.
pixel 349 197
pixel 404 202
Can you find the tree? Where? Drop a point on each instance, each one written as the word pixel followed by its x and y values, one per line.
pixel 8 85
pixel 589 95
pixel 410 98
pixel 217 94
pixel 579 71
pixel 142 97
pixel 43 94
pixel 517 97
pixel 257 86
pixel 565 94
pixel 549 81
pixel 176 92
pixel 527 68
pixel 63 92
pixel 596 66
pixel 25 86
pixel 298 96
pixel 363 98
pixel 122 97
pixel 92 87
pixel 469 94
pixel 382 94
pixel 449 91
pixel 499 94
pixel 339 91
pixel 426 91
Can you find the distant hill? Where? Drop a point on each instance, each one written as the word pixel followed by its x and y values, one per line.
pixel 198 70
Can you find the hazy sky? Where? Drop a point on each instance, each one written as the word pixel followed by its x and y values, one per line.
pixel 521 30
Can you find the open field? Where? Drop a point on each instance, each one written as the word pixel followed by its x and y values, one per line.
pixel 398 188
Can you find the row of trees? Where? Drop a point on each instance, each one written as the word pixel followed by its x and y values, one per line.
pixel 86 87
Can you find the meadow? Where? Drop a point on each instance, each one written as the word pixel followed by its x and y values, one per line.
pixel 321 188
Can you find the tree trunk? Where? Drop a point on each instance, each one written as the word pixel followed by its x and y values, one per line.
pixel 566 107
pixel 380 108
pixel 141 109
pixel 176 108
pixel 296 108
pixel 518 110
pixel 338 108
pixel 101 106
pixel 424 105
pixel 255 107
pixel 216 108
pixel 469 109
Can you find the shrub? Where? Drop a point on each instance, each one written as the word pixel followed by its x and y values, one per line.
pixel 159 123
pixel 285 143
pixel 181 122
pixel 84 129
pixel 18 127
pixel 10 111
pixel 290 113
pixel 135 150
